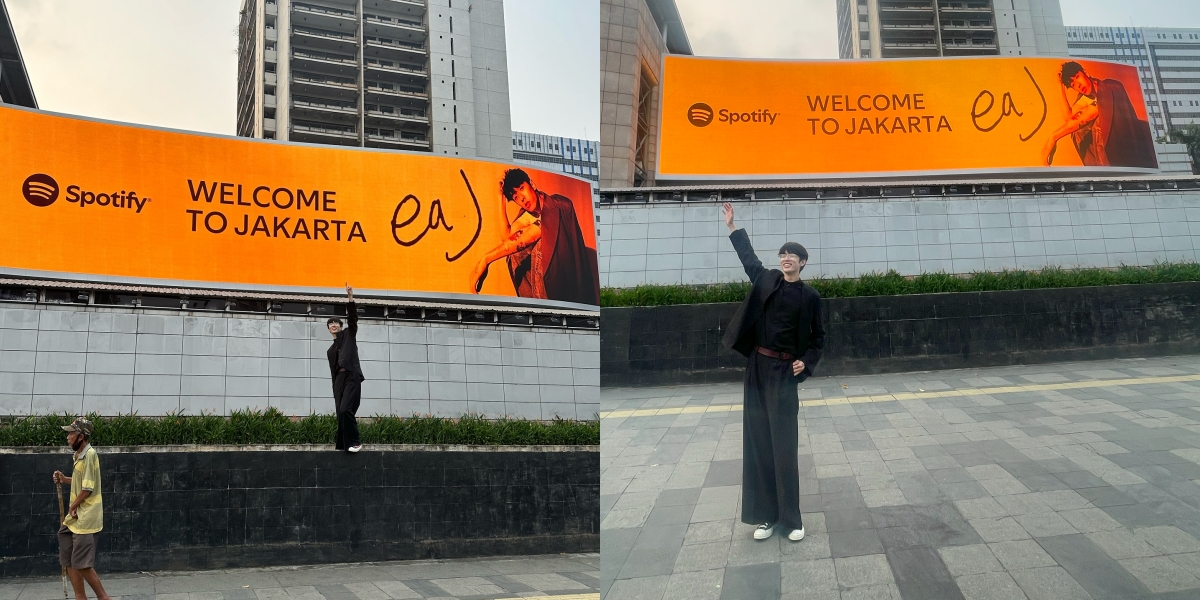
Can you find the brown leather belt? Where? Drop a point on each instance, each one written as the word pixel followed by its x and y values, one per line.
pixel 774 354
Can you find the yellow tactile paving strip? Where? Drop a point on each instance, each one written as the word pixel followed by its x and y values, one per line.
pixel 988 391
pixel 592 596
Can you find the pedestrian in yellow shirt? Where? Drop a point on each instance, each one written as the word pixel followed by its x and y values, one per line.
pixel 85 517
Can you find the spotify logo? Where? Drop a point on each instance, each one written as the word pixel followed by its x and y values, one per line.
pixel 40 189
pixel 700 114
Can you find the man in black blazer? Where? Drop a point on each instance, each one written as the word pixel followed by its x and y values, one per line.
pixel 778 328
pixel 347 376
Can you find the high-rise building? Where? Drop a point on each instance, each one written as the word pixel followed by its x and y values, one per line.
pixel 634 36
pixel 1167 59
pixel 552 153
pixel 14 80
pixel 424 75
pixel 921 28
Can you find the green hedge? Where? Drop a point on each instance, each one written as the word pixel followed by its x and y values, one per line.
pixel 273 427
pixel 894 284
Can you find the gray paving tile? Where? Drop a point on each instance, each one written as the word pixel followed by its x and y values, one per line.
pixel 695 585
pixel 1021 554
pixel 809 576
pixel 1049 583
pixel 998 529
pixel 969 560
pixel 854 543
pixel 920 573
pixel 751 581
pixel 1161 574
pixel 702 557
pixel 638 588
pixel 990 586
pixel 1098 573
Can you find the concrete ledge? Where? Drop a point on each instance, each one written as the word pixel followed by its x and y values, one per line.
pixel 211 507
pixel 668 345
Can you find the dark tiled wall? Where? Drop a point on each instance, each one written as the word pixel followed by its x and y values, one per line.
pixel 219 509
pixel 882 334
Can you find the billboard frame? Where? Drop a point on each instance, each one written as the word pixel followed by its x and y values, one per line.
pixel 457 298
pixel 1035 172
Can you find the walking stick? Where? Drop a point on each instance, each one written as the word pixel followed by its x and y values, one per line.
pixel 62 517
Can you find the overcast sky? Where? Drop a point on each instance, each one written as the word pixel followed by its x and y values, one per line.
pixel 808 28
pixel 174 63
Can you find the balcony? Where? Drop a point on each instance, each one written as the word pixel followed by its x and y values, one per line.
pixel 325 80
pixel 394 44
pixel 340 89
pixel 409 141
pixel 976 8
pixel 408 8
pixel 394 22
pixel 324 108
pixel 323 34
pixel 402 116
pixel 388 66
pixel 391 89
pixel 324 17
pixel 325 57
pixel 324 134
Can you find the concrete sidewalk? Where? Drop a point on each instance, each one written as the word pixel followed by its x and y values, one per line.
pixel 562 577
pixel 1040 482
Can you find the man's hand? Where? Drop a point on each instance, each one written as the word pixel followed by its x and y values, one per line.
pixel 727 209
pixel 1048 151
pixel 478 274
pixel 60 478
pixel 74 512
pixel 349 291
pixel 797 367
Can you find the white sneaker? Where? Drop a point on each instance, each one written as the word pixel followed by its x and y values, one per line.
pixel 355 448
pixel 764 531
pixel 796 535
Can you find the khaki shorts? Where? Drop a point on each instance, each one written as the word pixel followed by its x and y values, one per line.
pixel 76 550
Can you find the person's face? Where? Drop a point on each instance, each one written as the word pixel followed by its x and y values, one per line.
pixel 790 264
pixel 73 439
pixel 334 328
pixel 1082 83
pixel 526 197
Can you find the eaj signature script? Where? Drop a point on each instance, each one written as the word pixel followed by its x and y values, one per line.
pixel 410 224
pixel 986 114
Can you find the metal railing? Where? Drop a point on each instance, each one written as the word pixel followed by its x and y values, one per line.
pixel 324 56
pixel 370 18
pixel 336 12
pixel 339 81
pixel 340 107
pixel 322 33
pixel 347 131
pixel 387 88
pixel 370 39
pixel 407 139
pixel 388 65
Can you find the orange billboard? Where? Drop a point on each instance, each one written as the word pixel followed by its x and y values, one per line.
pixel 114 202
pixel 735 119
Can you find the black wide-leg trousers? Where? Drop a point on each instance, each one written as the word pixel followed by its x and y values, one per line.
pixel 770 476
pixel 347 393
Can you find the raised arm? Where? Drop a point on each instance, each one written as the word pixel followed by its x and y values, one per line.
pixel 741 243
pixel 351 311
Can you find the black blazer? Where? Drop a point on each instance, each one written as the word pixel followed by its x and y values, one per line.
pixel 347 355
pixel 741 333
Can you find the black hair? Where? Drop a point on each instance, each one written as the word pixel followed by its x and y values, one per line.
pixel 513 179
pixel 333 320
pixel 1069 71
pixel 794 248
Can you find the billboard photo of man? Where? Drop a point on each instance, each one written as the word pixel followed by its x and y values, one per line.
pixel 1103 124
pixel 543 247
